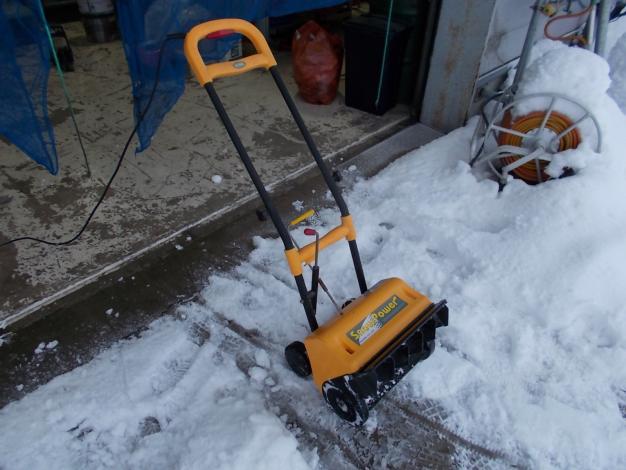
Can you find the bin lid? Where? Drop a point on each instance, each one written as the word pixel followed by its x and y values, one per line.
pixel 373 24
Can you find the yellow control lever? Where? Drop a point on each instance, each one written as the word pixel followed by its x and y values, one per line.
pixel 302 217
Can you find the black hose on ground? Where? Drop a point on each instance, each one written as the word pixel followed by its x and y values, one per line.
pixel 169 37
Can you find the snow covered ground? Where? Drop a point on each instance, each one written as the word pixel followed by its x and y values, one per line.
pixel 532 364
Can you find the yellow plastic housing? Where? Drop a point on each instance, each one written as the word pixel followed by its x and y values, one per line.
pixel 331 350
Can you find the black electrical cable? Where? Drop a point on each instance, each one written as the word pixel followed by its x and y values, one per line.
pixel 617 12
pixel 119 161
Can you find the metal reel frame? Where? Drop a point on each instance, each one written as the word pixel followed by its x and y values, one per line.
pixel 485 130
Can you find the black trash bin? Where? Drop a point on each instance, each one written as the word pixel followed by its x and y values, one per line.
pixel 364 47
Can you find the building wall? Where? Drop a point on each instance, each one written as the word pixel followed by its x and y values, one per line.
pixel 476 43
pixel 462 31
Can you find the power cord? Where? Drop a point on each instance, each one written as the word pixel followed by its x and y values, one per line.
pixel 120 160
pixel 618 11
pixel 567 36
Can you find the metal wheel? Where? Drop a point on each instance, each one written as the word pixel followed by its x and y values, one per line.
pixel 345 403
pixel 523 144
pixel 298 359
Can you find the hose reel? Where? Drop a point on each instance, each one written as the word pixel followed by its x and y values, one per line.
pixel 523 144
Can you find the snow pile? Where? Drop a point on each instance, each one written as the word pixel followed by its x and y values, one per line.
pixel 532 358
pixel 531 364
pixel 538 316
pixel 567 70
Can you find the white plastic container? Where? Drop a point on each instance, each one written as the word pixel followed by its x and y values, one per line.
pixel 98 19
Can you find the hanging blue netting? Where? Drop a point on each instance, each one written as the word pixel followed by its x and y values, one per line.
pixel 25 64
pixel 146 23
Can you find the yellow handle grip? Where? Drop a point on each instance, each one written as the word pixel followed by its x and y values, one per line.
pixel 207 73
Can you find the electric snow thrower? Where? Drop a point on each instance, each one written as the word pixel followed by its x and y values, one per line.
pixel 375 339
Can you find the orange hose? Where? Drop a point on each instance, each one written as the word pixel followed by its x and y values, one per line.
pixel 557 123
pixel 575 37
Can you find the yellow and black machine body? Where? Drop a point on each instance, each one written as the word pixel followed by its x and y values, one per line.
pixel 374 339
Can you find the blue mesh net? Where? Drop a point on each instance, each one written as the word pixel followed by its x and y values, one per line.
pixel 25 59
pixel 146 23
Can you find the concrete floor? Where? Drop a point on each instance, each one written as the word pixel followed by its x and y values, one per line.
pixel 160 194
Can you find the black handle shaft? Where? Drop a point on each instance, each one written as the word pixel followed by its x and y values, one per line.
pixel 326 174
pixel 315 282
pixel 245 158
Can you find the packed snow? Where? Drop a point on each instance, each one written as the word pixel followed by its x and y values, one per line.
pixel 5 338
pixel 298 205
pixel 532 363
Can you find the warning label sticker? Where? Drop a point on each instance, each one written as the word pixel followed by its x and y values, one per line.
pixel 364 330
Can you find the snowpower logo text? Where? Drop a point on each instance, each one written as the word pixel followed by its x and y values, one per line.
pixel 363 330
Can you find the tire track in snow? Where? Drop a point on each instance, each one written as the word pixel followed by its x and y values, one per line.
pixel 405 432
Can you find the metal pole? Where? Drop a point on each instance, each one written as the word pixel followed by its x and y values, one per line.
pixel 590 29
pixel 528 44
pixel 603 26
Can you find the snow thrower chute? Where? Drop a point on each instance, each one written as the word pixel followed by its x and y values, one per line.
pixel 375 339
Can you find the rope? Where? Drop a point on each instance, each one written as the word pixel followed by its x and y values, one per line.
pixel 64 86
pixel 385 47
pixel 533 172
pixel 567 36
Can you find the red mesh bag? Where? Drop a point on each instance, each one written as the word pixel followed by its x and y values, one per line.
pixel 317 59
